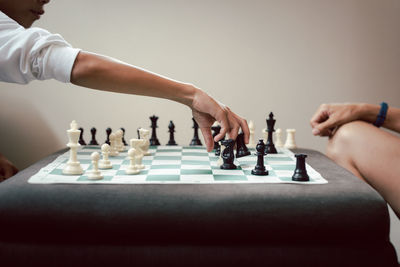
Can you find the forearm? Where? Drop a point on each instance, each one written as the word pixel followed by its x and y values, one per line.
pixel 369 112
pixel 102 73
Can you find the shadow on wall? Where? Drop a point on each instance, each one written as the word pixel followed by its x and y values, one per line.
pixel 25 136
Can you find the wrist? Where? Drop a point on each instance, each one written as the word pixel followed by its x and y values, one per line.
pixel 368 112
pixel 186 95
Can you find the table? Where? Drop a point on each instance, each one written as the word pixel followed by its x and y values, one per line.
pixel 342 223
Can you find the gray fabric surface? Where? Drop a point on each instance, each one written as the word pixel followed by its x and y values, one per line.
pixel 344 212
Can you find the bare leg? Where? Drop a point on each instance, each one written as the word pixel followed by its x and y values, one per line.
pixel 371 154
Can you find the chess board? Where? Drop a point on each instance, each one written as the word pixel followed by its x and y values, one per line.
pixel 177 165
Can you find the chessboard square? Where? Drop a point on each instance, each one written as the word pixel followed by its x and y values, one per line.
pixel 284 167
pixel 195 158
pixel 109 172
pixel 194 148
pixel 130 178
pixel 166 162
pixel 196 172
pixel 197 153
pixel 85 178
pixel 62 178
pixel 263 178
pixel 83 152
pixel 285 179
pixel 168 148
pixel 194 162
pixel 199 167
pixel 279 159
pixel 201 178
pixel 247 166
pixel 123 173
pixel 164 171
pixel 281 173
pixel 237 172
pixel 247 159
pixel 163 178
pixel 169 154
pixel 157 157
pixel 221 177
pixel 57 172
pixel 167 166
pixel 88 147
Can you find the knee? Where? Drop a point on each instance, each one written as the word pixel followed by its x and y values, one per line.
pixel 340 144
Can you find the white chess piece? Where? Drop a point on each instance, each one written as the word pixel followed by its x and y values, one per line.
pixel 113 145
pixel 95 174
pixel 220 159
pixel 252 143
pixel 119 144
pixel 278 138
pixel 145 135
pixel 105 163
pixel 290 141
pixel 137 144
pixel 73 166
pixel 132 169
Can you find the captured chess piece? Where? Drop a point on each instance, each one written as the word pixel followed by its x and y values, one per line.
pixel 300 173
pixel 227 155
pixel 95 174
pixel 195 141
pixel 252 128
pixel 270 147
pixel 260 169
pixel 241 148
pixel 108 132
pixel 216 128
pixel 132 169
pixel 105 163
pixel 154 140
pixel 171 130
pixel 73 166
pixel 290 142
pixel 278 138
pixel 81 141
pixel 93 142
pixel 123 137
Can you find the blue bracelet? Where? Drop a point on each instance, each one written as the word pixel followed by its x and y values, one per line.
pixel 380 119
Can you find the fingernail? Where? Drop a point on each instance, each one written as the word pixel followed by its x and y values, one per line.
pixel 315 131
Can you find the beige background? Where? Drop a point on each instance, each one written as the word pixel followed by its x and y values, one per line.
pixel 254 56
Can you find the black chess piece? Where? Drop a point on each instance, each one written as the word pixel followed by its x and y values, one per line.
pixel 300 173
pixel 123 137
pixel 270 146
pixel 93 141
pixel 154 140
pixel 216 131
pixel 195 141
pixel 241 148
pixel 108 131
pixel 171 130
pixel 260 169
pixel 81 141
pixel 227 155
pixel 138 132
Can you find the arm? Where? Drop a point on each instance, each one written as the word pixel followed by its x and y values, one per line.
pixel 330 116
pixel 107 74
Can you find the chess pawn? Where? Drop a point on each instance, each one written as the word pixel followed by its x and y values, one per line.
pixel 73 166
pixel 113 151
pixel 105 163
pixel 252 143
pixel 95 174
pixel 290 141
pixel 144 134
pixel 132 169
pixel 137 144
pixel 278 138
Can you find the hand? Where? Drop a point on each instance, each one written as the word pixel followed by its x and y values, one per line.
pixel 206 111
pixel 7 169
pixel 330 116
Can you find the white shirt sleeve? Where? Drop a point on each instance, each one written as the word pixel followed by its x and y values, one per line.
pixel 34 53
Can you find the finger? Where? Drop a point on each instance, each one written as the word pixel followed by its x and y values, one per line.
pixel 10 171
pixel 319 116
pixel 208 139
pixel 325 128
pixel 246 130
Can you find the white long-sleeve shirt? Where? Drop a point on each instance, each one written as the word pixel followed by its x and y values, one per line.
pixel 33 54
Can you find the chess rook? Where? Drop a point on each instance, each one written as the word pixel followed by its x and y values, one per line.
pixel 300 173
pixel 278 138
pixel 290 142
pixel 252 143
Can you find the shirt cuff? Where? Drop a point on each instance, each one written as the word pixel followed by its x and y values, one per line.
pixel 60 62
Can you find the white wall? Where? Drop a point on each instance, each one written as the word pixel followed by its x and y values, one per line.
pixel 255 56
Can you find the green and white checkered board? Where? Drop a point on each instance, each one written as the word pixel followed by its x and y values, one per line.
pixel 177 165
